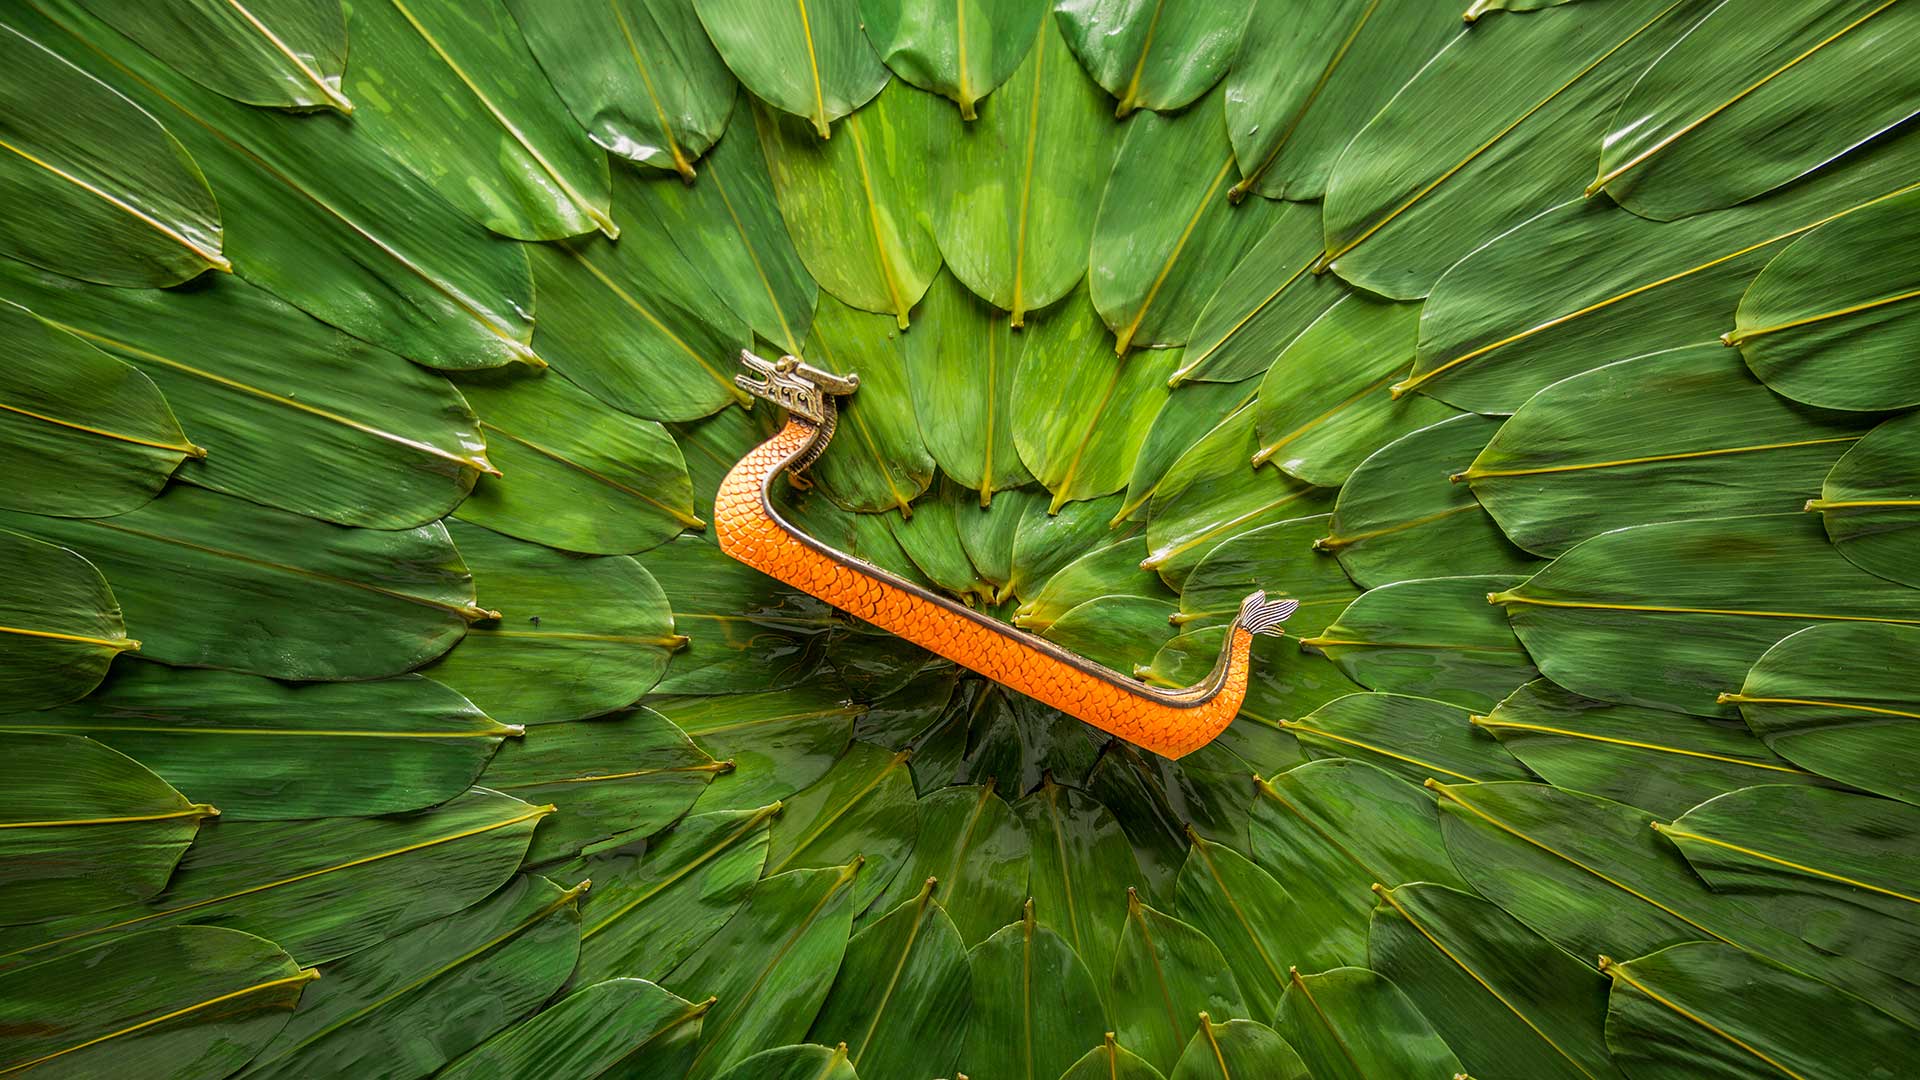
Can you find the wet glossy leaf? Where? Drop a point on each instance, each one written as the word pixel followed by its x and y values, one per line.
pixel 101 190
pixel 809 59
pixel 899 1005
pixel 849 814
pixel 620 1027
pixel 1713 594
pixel 962 365
pixel 779 742
pixel 287 54
pixel 880 463
pixel 961 51
pixel 1043 543
pixel 975 850
pixel 225 994
pixel 1191 411
pixel 745 631
pixel 1268 300
pixel 1433 637
pixel 253 589
pixel 988 532
pixel 1166 974
pixel 1117 632
pixel 797 1062
pixel 1153 56
pixel 1111 1061
pixel 409 1004
pixel 576 636
pixel 1241 909
pixel 261 749
pixel 1351 1023
pixel 931 538
pixel 1871 504
pixel 1082 865
pixel 1109 571
pixel 1034 1005
pixel 1404 513
pixel 60 625
pixel 1277 558
pixel 1238 1048
pixel 1412 737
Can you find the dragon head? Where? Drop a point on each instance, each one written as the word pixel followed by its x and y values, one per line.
pixel 796 386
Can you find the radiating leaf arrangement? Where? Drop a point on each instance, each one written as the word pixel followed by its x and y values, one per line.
pixel 374 702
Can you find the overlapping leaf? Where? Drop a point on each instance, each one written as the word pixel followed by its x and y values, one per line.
pixel 809 59
pixel 60 625
pixel 1159 55
pixel 1870 501
pixel 287 55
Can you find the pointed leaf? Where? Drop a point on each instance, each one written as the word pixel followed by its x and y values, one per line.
pixel 899 1004
pixel 1159 55
pixel 1412 737
pixel 797 1062
pixel 1044 542
pixel 1238 1048
pixel 808 59
pixel 779 742
pixel 1111 1061
pixel 288 55
pixel 1081 862
pixel 1266 302
pixel 1240 908
pixel 1430 637
pixel 1165 975
pixel 960 51
pixel 1191 411
pixel 850 814
pixel 879 462
pixel 1871 504
pixel 1109 571
pixel 987 533
pixel 60 625
pixel 1350 1023
pixel 745 631
pixel 975 850
pixel 931 538
pixel 619 1026
pixel 962 364
pixel 1033 1004
pixel 1277 558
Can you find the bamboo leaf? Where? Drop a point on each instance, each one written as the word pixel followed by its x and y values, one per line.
pixel 1431 637
pixel 797 1062
pixel 225 995
pixel 631 774
pixel 101 190
pixel 988 533
pixel 1589 616
pixel 1165 974
pixel 779 742
pixel 1668 1017
pixel 264 750
pixel 1043 543
pixel 792 935
pixel 1118 632
pixel 1608 448
pixel 855 207
pixel 652 907
pixel 1238 1048
pixel 745 631
pixel 931 539
pixel 575 637
pixel 847 814
pixel 85 433
pixel 809 59
pixel 1033 1003
pixel 1111 1061
pixel 1277 558
pixel 639 75
pixel 1662 762
pixel 1270 298
pixel 880 461
pixel 1404 513
pixel 1870 504
pixel 963 51
pixel 1507 1000
pixel 60 625
pixel 1304 81
pixel 83 827
pixel 265 591
pixel 961 367
pixel 1350 1023
pixel 976 852
pixel 616 1025
pixel 1412 737
pixel 1243 910
pixel 322 888
pixel 576 475
pixel 1021 246
pixel 1486 135
pixel 1285 682
pixel 287 55
pixel 1113 570
pixel 1783 88
pixel 1832 699
pixel 899 1005
pixel 1191 411
pixel 1165 237
pixel 1081 861
pixel 412 1003
pixel 1159 55
pixel 291 412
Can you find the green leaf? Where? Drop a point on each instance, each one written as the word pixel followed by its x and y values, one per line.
pixel 1043 542
pixel 1111 1061
pixel 975 850
pixel 1111 571
pixel 287 55
pixel 873 250
pixel 264 750
pixel 745 631
pixel 1081 862
pixel 1191 411
pixel 1240 908
pixel 878 462
pixel 1869 502
pixel 1835 699
pixel 1487 134
pixel 324 887
pixel 1238 1048
pixel 1670 1017
pixel 1339 358
pixel 411 1003
pixel 576 636
pixel 101 190
pixel 1267 300
pixel 223 996
pixel 1711 596
pixel 900 1001
pixel 1033 1003
pixel 85 434
pixel 1118 632
pixel 1838 867
pixel 1305 81
pixel 1783 89
pixel 1278 559
pixel 1412 737
pixel 650 909
pixel 854 813
pixel 960 51
pixel 1079 413
pixel 778 741
pixel 988 533
pixel 292 413
pixel 1609 448
pixel 639 75
pixel 620 1026
pixel 253 589
pixel 1350 1023
pixel 809 59
pixel 1161 55
pixel 931 538
pixel 1329 829
pixel 1404 513
pixel 324 220
pixel 1023 246
pixel 1663 762
pixel 1165 236
pixel 60 625
pixel 798 1062
pixel 577 475
pixel 1285 682
pixel 628 774
pixel 1431 637
pixel 771 966
pixel 1587 283
pixel 84 827
pixel 962 365
pixel 1148 796
pixel 1212 494
pixel 1508 1001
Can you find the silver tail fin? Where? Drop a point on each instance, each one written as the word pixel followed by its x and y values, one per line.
pixel 1263 616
